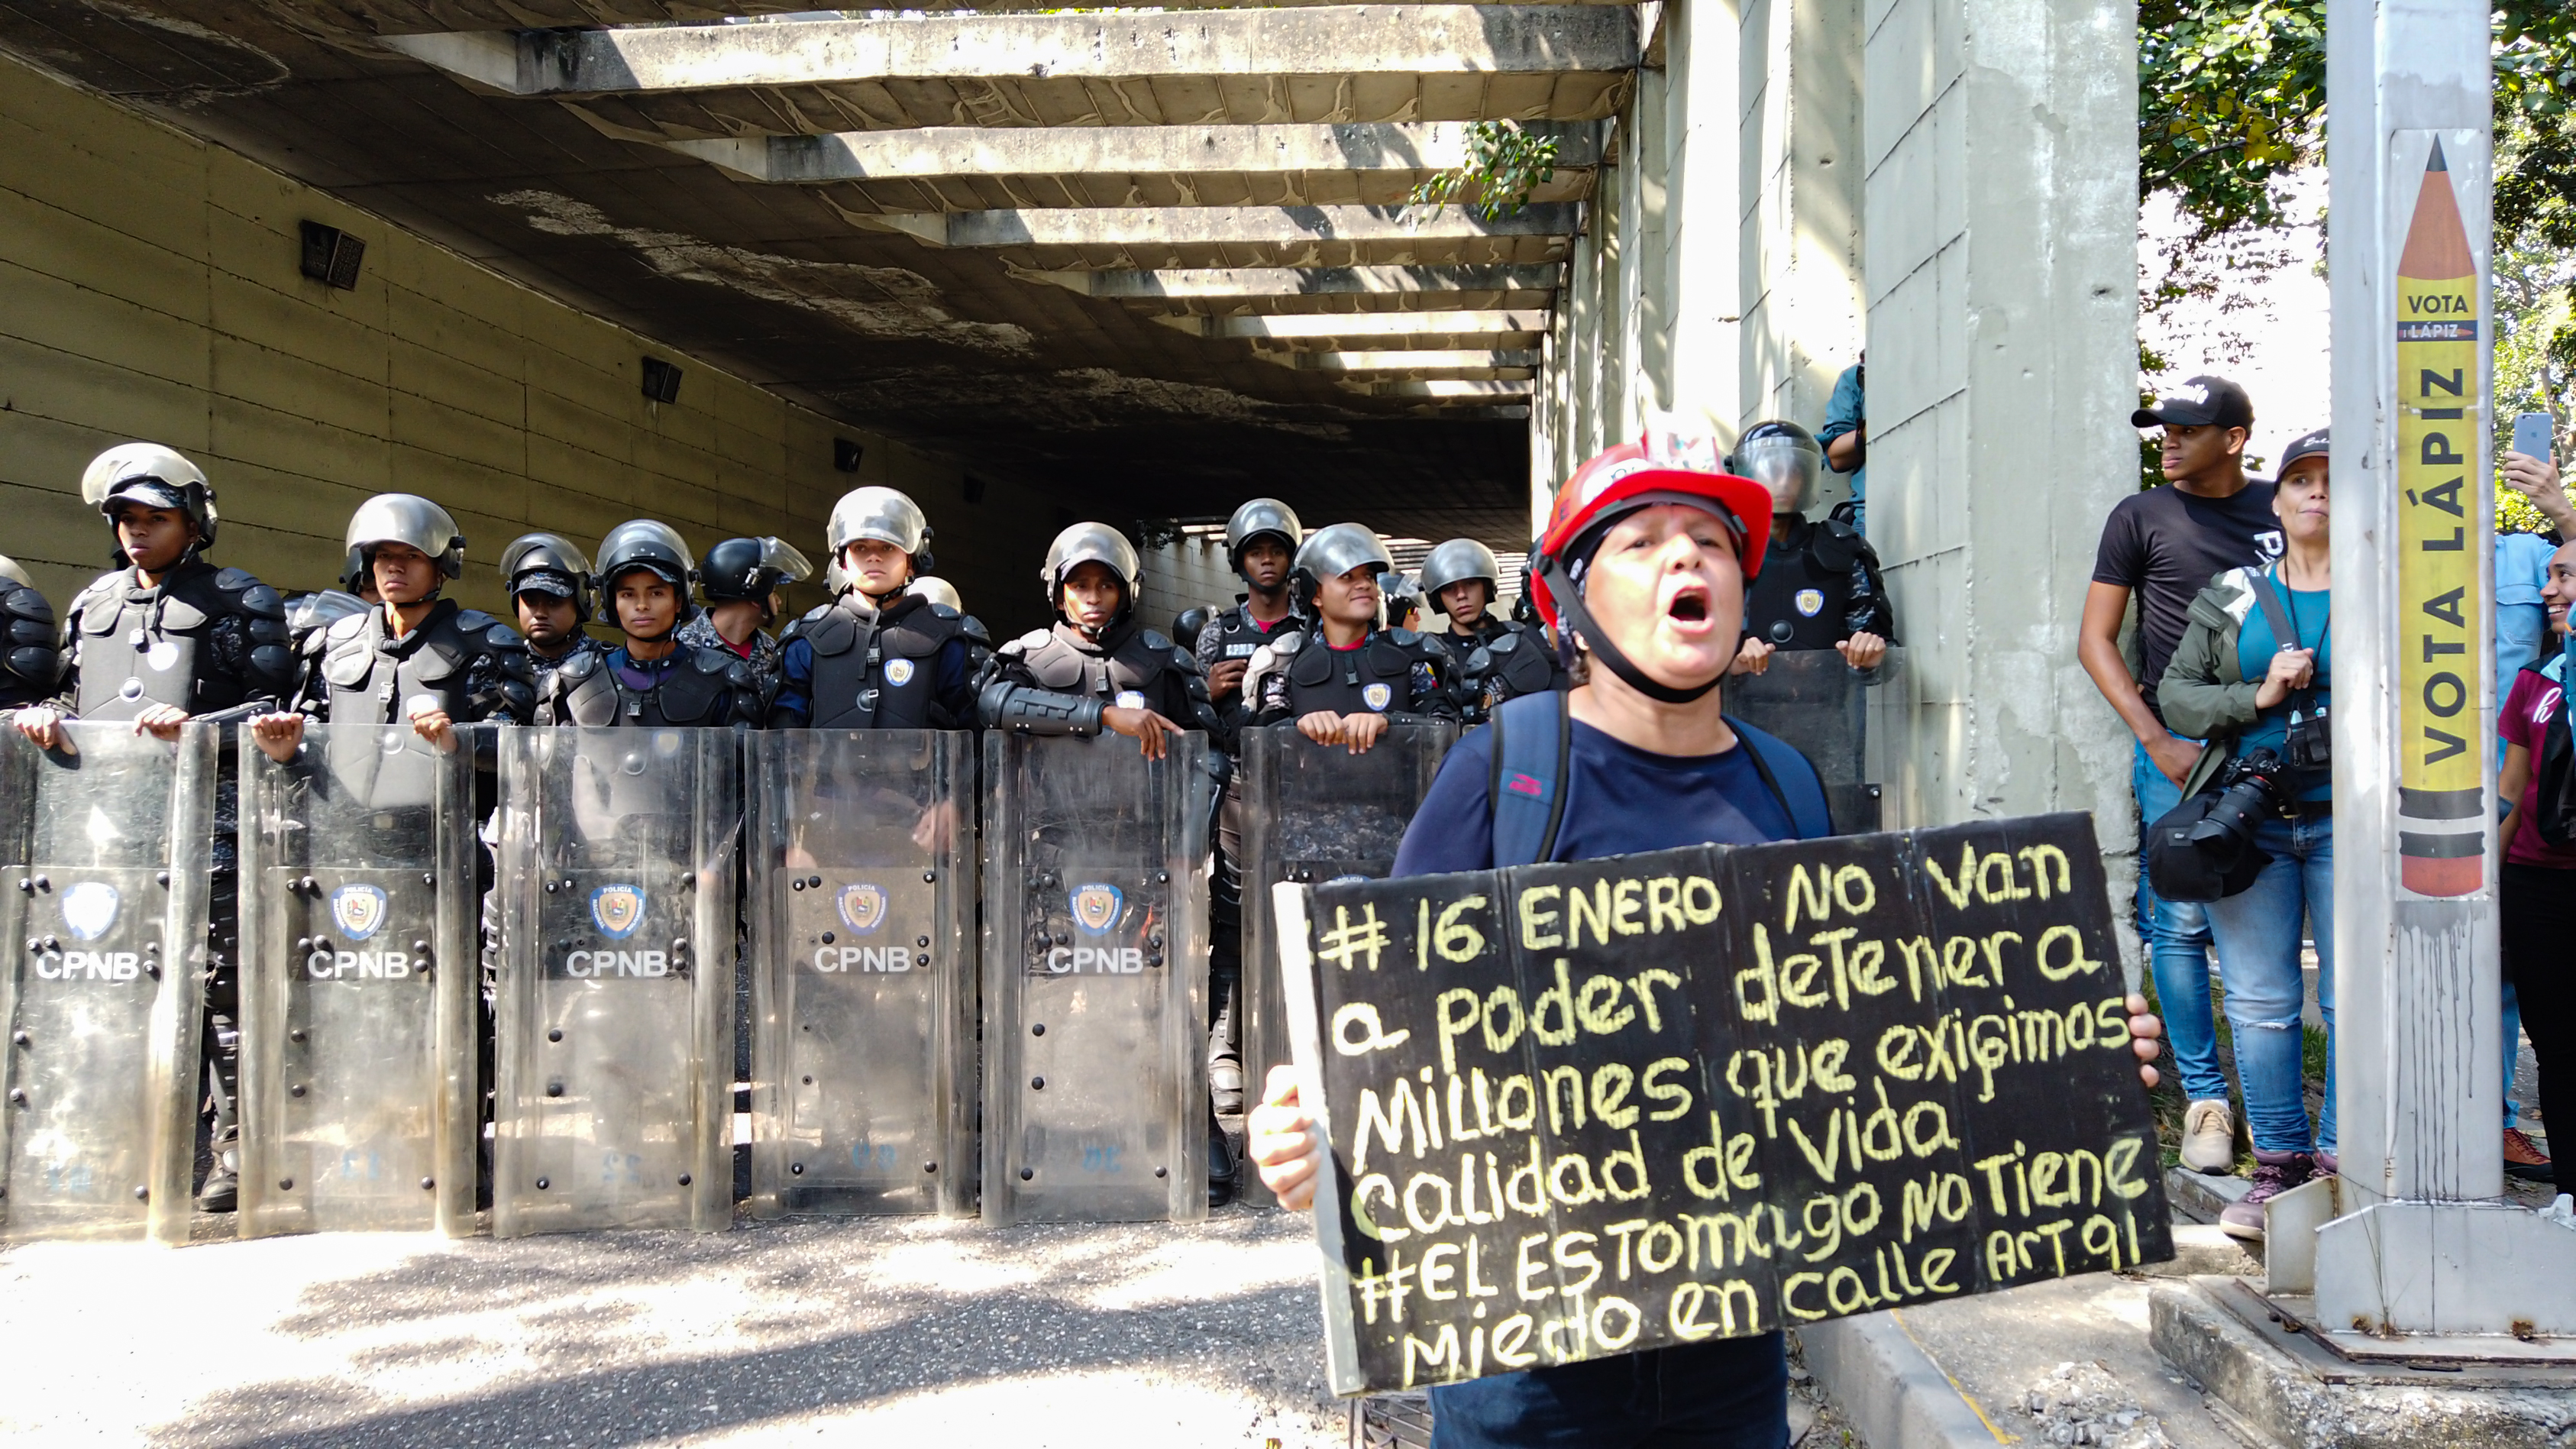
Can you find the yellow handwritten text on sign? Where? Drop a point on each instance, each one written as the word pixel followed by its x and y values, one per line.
pixel 2441 418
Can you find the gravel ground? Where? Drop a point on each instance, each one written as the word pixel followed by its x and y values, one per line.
pixel 805 1332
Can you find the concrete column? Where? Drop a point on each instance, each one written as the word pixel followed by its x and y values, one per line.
pixel 2002 252
pixel 1800 109
pixel 1703 212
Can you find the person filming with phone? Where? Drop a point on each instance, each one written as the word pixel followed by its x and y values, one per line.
pixel 2250 675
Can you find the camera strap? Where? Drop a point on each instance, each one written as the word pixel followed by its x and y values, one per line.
pixel 2285 635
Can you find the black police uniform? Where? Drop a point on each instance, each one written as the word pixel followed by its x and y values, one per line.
pixel 1819 586
pixel 911 665
pixel 690 687
pixel 470 664
pixel 541 670
pixel 1500 659
pixel 212 642
pixel 29 662
pixel 1394 672
pixel 1054 681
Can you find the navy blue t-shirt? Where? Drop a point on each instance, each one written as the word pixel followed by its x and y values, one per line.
pixel 1621 800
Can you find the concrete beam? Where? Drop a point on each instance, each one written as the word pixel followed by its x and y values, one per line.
pixel 1179 226
pixel 1330 330
pixel 1442 389
pixel 1075 152
pixel 1442 362
pixel 1241 46
pixel 1238 283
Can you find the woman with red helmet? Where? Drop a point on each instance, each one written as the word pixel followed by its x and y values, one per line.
pixel 1642 571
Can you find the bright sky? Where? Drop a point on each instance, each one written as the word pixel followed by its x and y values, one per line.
pixel 2284 324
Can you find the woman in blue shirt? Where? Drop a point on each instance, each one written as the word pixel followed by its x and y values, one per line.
pixel 2247 683
pixel 1642 571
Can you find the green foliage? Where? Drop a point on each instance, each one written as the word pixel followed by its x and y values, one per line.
pixel 1504 165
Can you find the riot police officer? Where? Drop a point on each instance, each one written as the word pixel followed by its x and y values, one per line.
pixel 1493 658
pixel 650 678
pixel 1096 670
pixel 879 655
pixel 550 587
pixel 740 578
pixel 165 638
pixel 28 659
pixel 1344 680
pixel 1820 588
pixel 1261 542
pixel 1402 606
pixel 415 657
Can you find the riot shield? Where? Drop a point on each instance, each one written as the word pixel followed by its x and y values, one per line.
pixel 1852 725
pixel 105 903
pixel 1095 980
pixel 1314 813
pixel 863 971
pixel 359 977
pixel 614 1062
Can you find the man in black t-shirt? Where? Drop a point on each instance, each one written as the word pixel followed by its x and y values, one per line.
pixel 2162 547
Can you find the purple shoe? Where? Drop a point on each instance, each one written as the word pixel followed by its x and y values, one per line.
pixel 2274 1174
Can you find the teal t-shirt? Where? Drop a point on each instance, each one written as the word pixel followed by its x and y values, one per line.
pixel 2256 643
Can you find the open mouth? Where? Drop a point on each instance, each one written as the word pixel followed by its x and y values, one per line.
pixel 1688 606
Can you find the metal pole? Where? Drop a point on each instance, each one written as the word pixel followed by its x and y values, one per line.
pixel 2423 1247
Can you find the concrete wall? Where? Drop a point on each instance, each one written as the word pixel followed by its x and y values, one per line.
pixel 149 288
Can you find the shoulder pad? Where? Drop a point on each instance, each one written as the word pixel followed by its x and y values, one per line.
pixel 1182 659
pixel 1404 638
pixel 19 602
pixel 740 674
pixel 500 638
pixel 943 611
pixel 1836 545
pixel 1286 644
pixel 475 621
pixel 713 661
pixel 347 626
pixel 1029 642
pixel 580 664
pixel 972 630
pixel 1154 639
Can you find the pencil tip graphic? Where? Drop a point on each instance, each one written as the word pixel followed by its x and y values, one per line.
pixel 2437 163
pixel 2437 245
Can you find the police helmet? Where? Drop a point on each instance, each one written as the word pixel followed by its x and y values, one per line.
pixel 1400 598
pixel 410 519
pixel 750 569
pixel 154 477
pixel 1189 623
pixel 1784 458
pixel 13 576
pixel 1260 518
pixel 548 563
pixel 1457 561
pixel 1090 543
pixel 1329 553
pixel 882 514
pixel 937 591
pixel 649 544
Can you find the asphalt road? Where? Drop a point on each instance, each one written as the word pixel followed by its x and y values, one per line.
pixel 804 1333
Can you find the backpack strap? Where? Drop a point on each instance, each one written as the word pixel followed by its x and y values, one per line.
pixel 1792 780
pixel 1532 738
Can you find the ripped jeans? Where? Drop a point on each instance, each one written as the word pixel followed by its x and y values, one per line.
pixel 2257 932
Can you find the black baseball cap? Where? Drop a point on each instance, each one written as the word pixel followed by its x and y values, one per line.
pixel 2199 403
pixel 2311 446
pixel 553 582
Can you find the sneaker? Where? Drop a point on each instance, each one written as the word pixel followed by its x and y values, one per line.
pixel 2524 1159
pixel 2209 1138
pixel 2274 1174
pixel 1225 1086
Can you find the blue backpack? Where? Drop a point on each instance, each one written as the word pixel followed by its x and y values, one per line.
pixel 1533 737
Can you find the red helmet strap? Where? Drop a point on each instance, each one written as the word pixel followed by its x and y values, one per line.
pixel 1574 618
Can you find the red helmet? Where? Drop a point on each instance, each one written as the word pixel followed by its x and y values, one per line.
pixel 1661 467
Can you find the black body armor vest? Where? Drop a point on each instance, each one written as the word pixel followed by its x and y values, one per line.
pixel 369 677
pixel 136 647
pixel 1375 678
pixel 1126 661
pixel 1819 586
pixel 704 688
pixel 879 671
pixel 1237 636
pixel 28 664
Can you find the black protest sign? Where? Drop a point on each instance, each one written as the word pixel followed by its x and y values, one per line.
pixel 1591 1108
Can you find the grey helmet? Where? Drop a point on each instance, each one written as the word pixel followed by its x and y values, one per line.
pixel 1329 553
pixel 647 543
pixel 1089 543
pixel 937 591
pixel 154 476
pixel 1399 597
pixel 1457 561
pixel 405 518
pixel 750 569
pixel 320 610
pixel 548 563
pixel 1784 458
pixel 882 514
pixel 1254 519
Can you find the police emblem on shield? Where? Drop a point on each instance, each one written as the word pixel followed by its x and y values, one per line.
pixel 1809 601
pixel 1096 906
pixel 862 906
pixel 898 671
pixel 89 909
pixel 359 910
pixel 619 910
pixel 1377 696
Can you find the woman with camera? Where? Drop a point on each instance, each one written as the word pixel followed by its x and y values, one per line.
pixel 2251 677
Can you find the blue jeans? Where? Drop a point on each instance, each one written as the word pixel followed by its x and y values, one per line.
pixel 2258 933
pixel 2177 936
pixel 1727 1393
pixel 2512 1036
